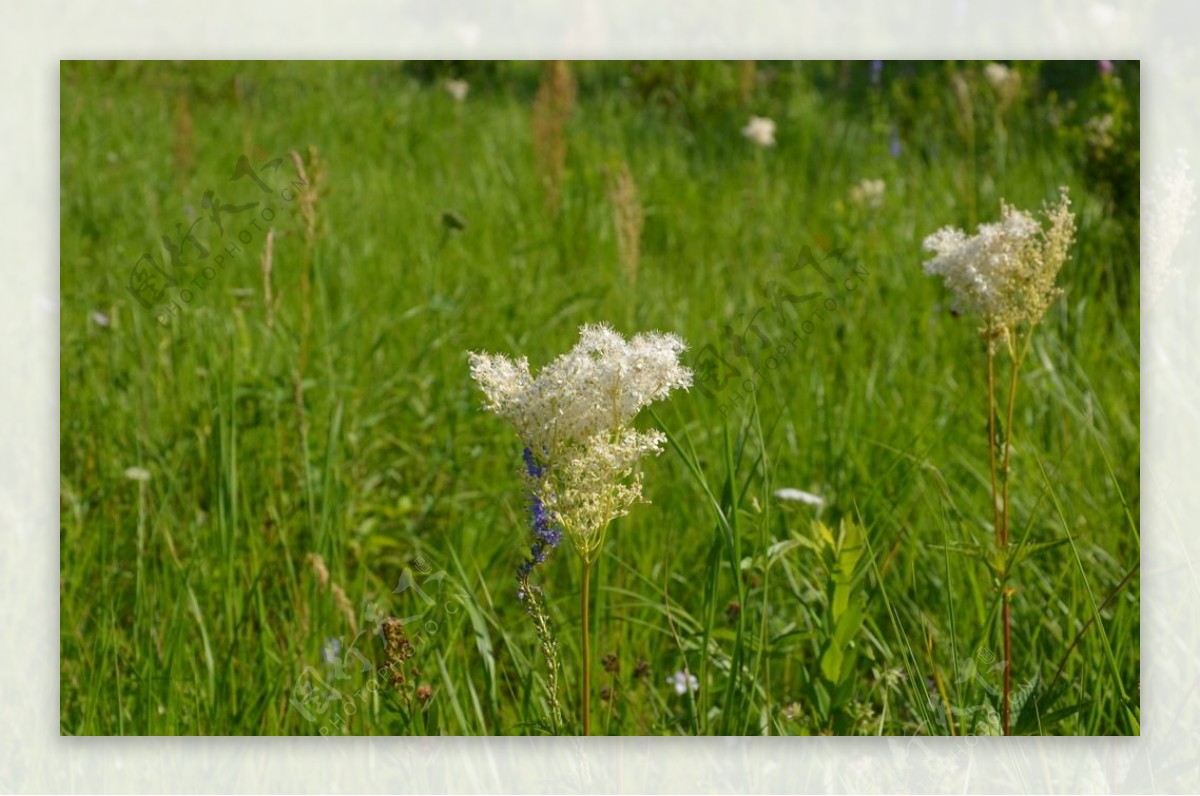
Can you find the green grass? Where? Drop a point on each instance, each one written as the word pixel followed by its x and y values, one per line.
pixel 188 601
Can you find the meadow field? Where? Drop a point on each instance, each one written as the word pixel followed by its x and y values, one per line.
pixel 285 509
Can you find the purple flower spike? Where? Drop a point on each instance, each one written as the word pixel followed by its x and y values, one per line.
pixel 546 535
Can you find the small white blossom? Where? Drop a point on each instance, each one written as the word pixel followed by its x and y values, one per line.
pixel 997 74
pixel 799 496
pixel 1098 131
pixel 684 682
pixel 100 319
pixel 575 418
pixel 457 89
pixel 138 474
pixel 760 130
pixel 868 194
pixel 1006 81
pixel 1170 203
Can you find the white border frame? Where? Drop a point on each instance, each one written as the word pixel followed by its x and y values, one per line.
pixel 32 40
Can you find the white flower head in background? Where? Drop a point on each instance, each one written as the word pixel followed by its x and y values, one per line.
pixel 760 130
pixel 997 74
pixel 331 650
pixel 1098 132
pixel 1005 80
pixel 138 474
pixel 1005 272
pixel 683 682
pixel 799 496
pixel 868 194
pixel 575 419
pixel 457 89
pixel 1169 204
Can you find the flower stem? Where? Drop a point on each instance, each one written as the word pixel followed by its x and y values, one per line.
pixel 1000 519
pixel 1012 400
pixel 587 652
pixel 991 391
pixel 1006 711
pixel 1006 618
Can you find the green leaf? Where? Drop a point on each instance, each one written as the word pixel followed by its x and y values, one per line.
pixel 969 549
pixel 1031 549
pixel 822 700
pixel 844 634
pixel 824 533
pixel 850 551
pixel 1021 695
pixel 831 662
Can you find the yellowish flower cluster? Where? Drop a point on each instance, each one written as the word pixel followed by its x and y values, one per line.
pixel 457 89
pixel 1098 131
pixel 868 194
pixel 1005 273
pixel 1006 82
pixel 575 418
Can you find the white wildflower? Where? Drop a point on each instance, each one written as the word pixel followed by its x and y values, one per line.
pixel 138 473
pixel 760 130
pixel 1004 273
pixel 100 319
pixel 1169 205
pixel 799 496
pixel 684 682
pixel 457 89
pixel 575 417
pixel 868 194
pixel 1006 81
pixel 997 74
pixel 1098 132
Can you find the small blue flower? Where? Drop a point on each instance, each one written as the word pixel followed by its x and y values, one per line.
pixel 531 466
pixel 876 72
pixel 894 146
pixel 546 535
pixel 331 650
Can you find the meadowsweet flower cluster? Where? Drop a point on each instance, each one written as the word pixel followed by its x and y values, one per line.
pixel 1006 81
pixel 760 130
pixel 1004 273
pixel 457 89
pixel 1170 203
pixel 1098 131
pixel 574 419
pixel 998 75
pixel 868 194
